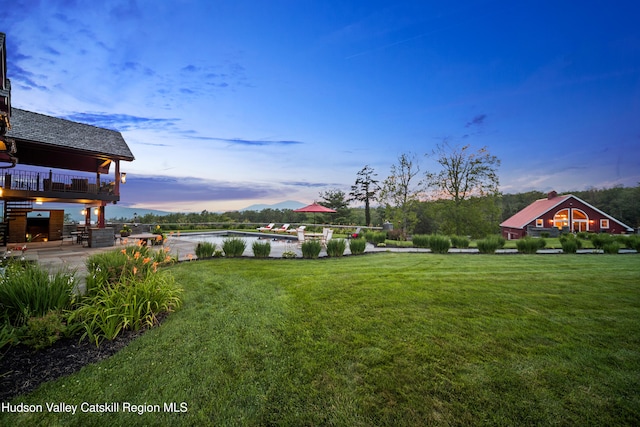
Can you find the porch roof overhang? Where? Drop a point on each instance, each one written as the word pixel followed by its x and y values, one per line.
pixel 59 143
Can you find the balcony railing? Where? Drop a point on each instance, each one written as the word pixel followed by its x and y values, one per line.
pixel 35 181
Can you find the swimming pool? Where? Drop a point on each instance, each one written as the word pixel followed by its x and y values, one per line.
pixel 218 237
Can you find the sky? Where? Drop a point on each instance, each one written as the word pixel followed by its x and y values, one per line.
pixel 229 103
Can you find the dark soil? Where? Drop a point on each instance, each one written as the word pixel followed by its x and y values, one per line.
pixel 22 369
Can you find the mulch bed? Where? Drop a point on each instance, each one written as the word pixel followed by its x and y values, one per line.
pixel 22 369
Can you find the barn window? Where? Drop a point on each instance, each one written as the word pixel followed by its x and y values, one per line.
pixel 539 222
pixel 604 223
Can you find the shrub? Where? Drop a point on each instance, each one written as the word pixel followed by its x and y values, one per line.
pixel 420 240
pixel 488 245
pixel 599 240
pixel 261 249
pixel 205 249
pixel 633 242
pixel 336 247
pixel 288 254
pixel 460 242
pixel 357 246
pixel 41 332
pixel 311 249
pixel 611 247
pixel 233 247
pixel 26 291
pixel 530 245
pixel 439 244
pixel 375 237
pixel 570 244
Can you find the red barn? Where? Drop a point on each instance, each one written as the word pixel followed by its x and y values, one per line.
pixel 557 214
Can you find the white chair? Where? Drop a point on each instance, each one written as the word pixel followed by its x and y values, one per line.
pixel 282 229
pixel 295 230
pixel 300 237
pixel 267 228
pixel 326 236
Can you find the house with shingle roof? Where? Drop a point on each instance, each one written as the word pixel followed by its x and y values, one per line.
pixel 560 213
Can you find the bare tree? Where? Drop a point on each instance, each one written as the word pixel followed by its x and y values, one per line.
pixel 464 174
pixel 365 190
pixel 400 192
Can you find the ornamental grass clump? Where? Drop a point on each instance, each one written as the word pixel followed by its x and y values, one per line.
pixel 336 247
pixel 530 245
pixel 488 245
pixel 205 249
pixel 261 249
pixel 357 246
pixel 420 240
pixel 612 247
pixel 460 242
pixel 27 290
pixel 570 243
pixel 233 247
pixel 375 237
pixel 311 249
pixel 599 240
pixel 439 244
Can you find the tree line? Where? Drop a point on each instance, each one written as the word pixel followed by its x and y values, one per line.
pixel 461 197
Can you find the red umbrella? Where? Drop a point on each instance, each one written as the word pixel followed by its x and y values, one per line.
pixel 315 208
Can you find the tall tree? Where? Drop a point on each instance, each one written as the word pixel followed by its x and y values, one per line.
pixel 365 190
pixel 464 174
pixel 336 199
pixel 400 192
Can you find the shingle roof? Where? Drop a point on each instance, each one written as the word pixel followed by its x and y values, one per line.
pixel 30 126
pixel 533 211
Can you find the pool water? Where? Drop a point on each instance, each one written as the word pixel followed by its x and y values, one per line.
pixel 219 238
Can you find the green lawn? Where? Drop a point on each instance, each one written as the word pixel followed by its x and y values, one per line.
pixel 384 339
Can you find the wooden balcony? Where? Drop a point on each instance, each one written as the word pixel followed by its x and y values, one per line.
pixel 55 187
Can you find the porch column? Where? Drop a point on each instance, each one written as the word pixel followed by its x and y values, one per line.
pixel 116 189
pixel 101 217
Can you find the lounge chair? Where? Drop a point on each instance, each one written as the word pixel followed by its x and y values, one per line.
pixel 327 233
pixel 282 229
pixel 300 237
pixel 295 230
pixel 356 234
pixel 267 228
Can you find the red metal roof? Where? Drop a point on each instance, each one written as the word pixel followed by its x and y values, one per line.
pixel 533 211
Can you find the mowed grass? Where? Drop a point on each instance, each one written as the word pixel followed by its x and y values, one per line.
pixel 385 339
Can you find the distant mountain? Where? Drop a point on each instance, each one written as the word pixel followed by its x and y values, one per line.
pixel 112 211
pixel 289 204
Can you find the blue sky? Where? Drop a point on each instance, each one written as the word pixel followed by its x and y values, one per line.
pixel 229 103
